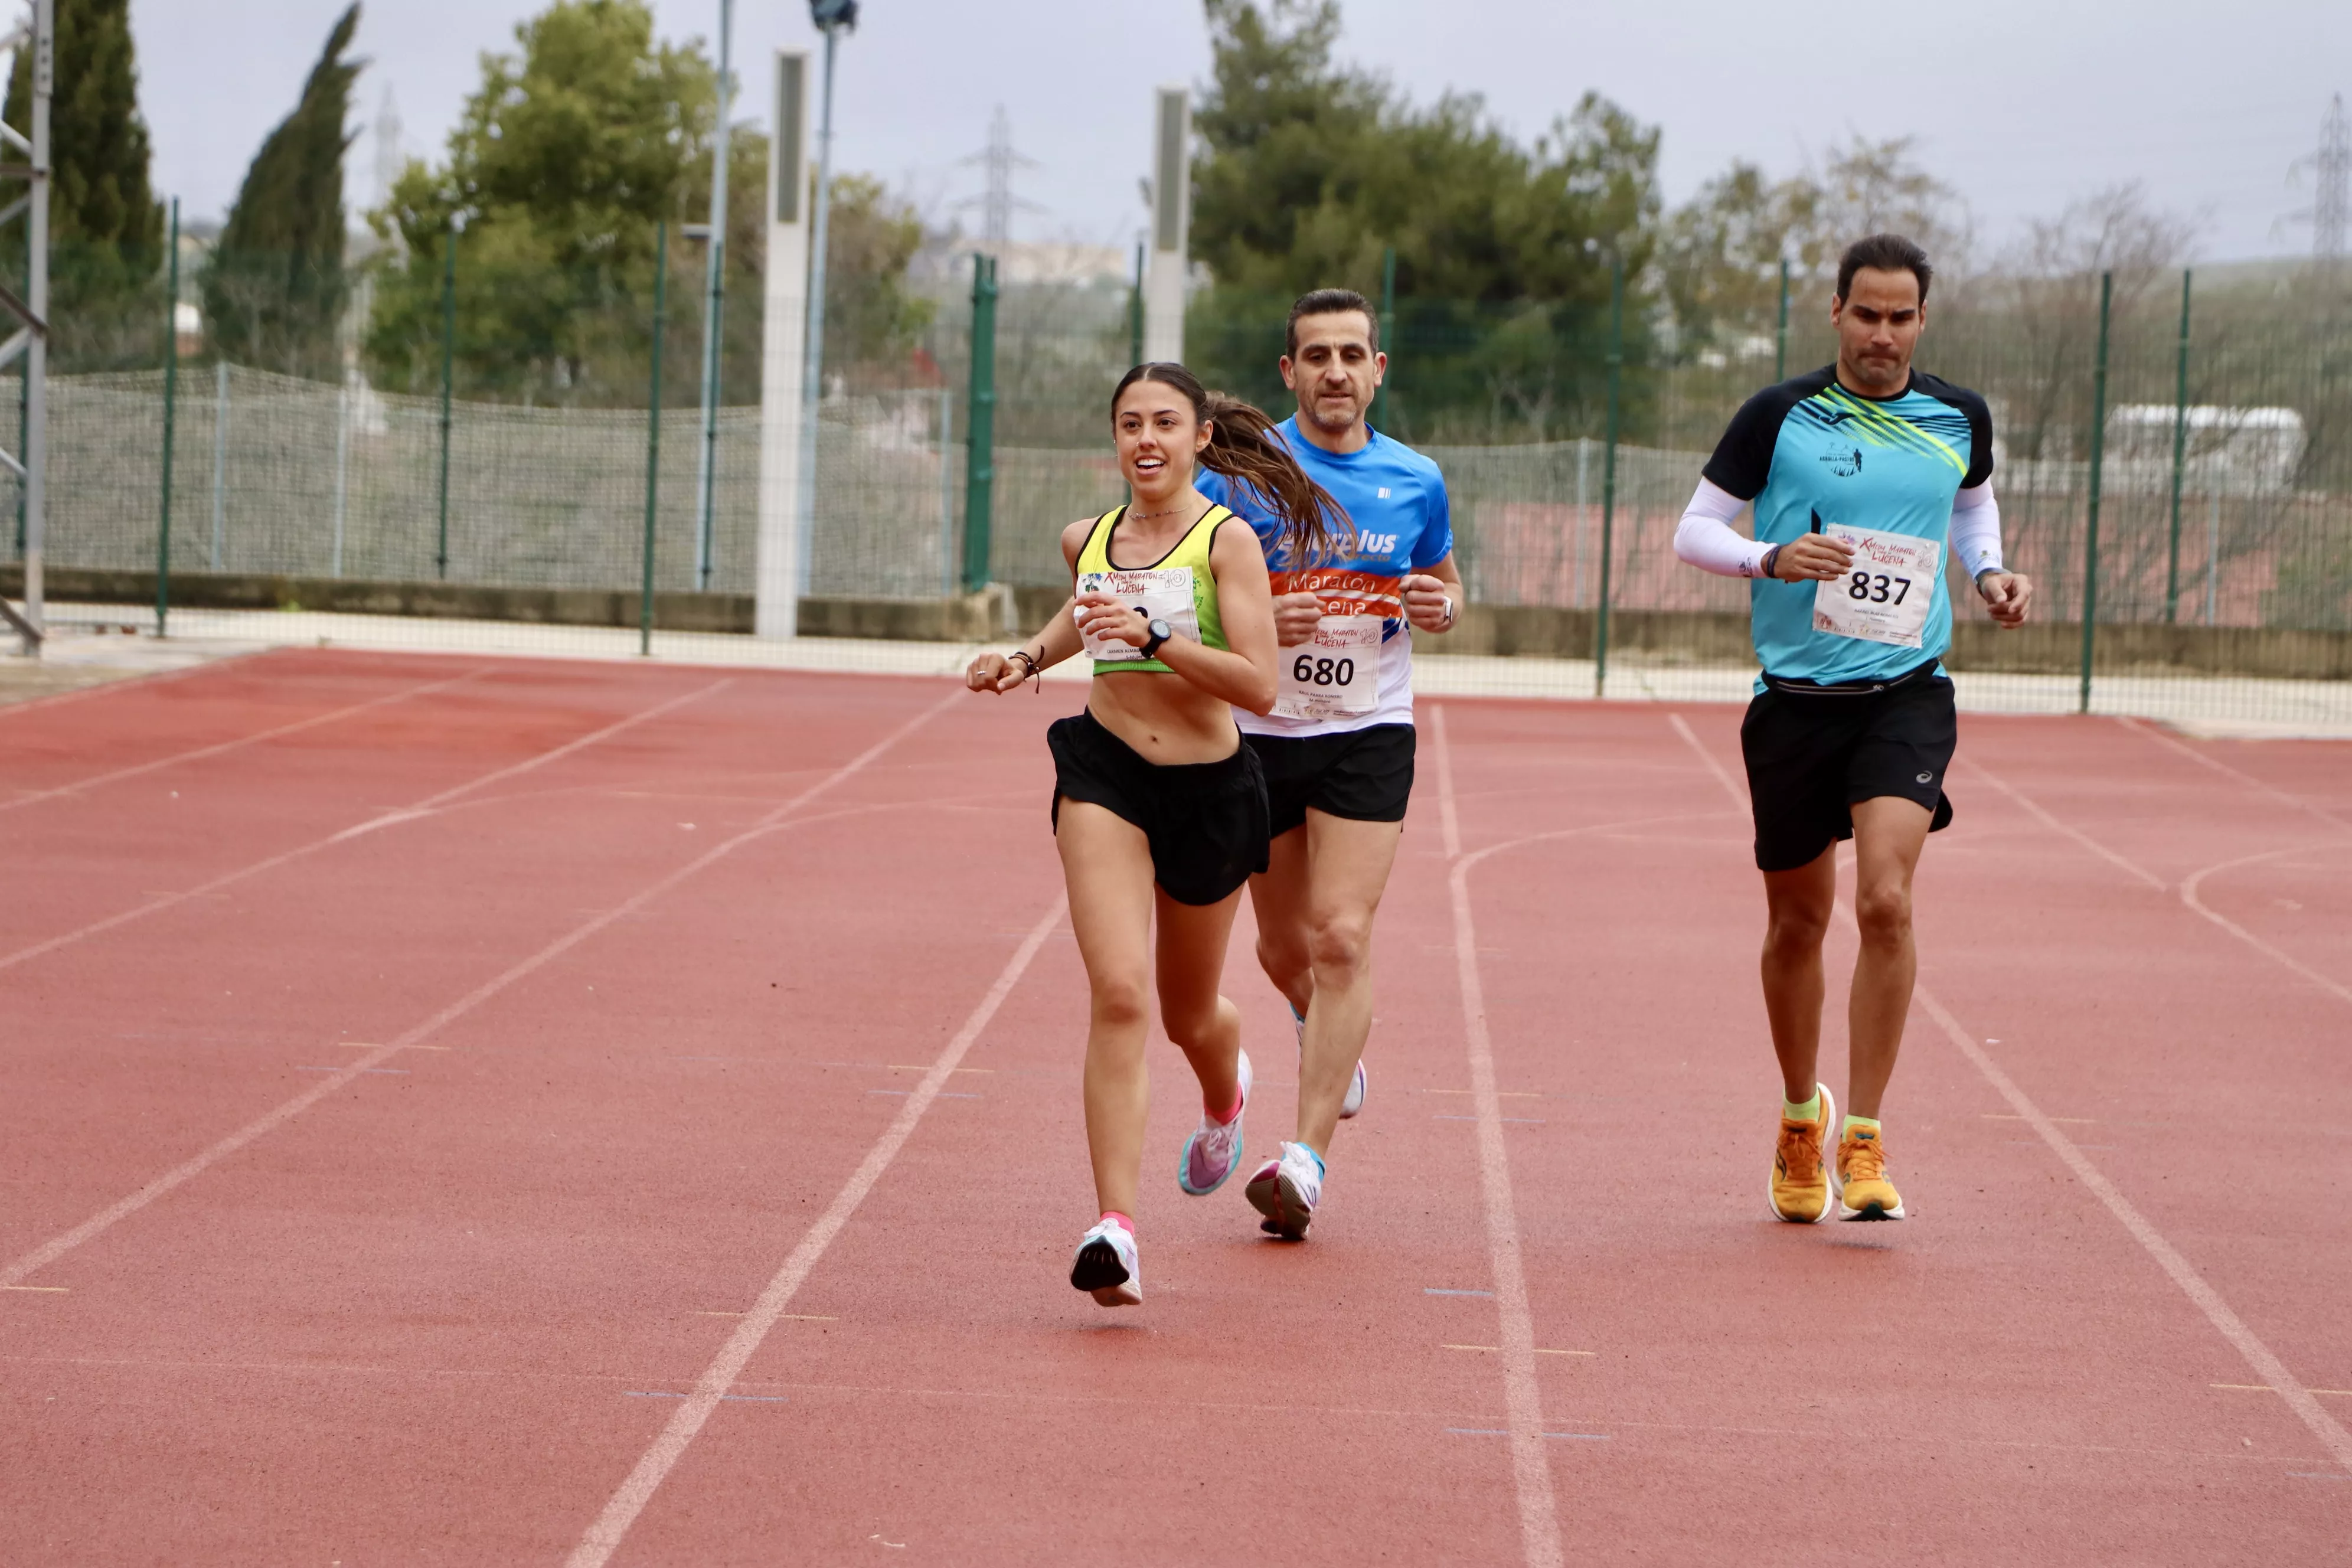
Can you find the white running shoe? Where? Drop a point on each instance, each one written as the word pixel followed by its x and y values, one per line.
pixel 1355 1096
pixel 1214 1150
pixel 1106 1265
pixel 1286 1191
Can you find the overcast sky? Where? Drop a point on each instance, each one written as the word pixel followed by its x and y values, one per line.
pixel 2021 104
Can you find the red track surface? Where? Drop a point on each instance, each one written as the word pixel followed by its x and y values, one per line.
pixel 655 1034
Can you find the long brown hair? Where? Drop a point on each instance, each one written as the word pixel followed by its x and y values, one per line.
pixel 1243 446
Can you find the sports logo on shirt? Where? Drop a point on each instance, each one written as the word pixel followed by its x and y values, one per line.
pixel 1844 464
pixel 1376 544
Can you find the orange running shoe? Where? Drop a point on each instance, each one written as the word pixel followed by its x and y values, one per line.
pixel 1864 1191
pixel 1799 1191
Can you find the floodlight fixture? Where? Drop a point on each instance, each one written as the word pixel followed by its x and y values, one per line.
pixel 830 13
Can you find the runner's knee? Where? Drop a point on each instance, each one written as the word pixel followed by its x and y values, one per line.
pixel 1281 954
pixel 1121 1003
pixel 1340 944
pixel 1882 913
pixel 1795 929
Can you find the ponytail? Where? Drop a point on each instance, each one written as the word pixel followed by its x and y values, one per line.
pixel 1243 446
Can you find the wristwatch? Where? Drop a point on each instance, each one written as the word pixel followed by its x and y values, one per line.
pixel 1161 632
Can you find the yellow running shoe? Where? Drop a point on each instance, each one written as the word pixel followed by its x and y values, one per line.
pixel 1799 1191
pixel 1864 1191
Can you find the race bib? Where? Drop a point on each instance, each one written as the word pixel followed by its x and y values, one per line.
pixel 1335 675
pixel 1164 594
pixel 1885 595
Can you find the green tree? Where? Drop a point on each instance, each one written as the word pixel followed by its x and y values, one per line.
pixel 559 165
pixel 274 288
pixel 106 226
pixel 872 320
pixel 1311 170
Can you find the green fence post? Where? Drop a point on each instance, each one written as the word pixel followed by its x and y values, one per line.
pixel 1780 342
pixel 2179 459
pixel 653 441
pixel 1608 470
pixel 448 359
pixel 1380 410
pixel 1135 311
pixel 980 441
pixel 2098 457
pixel 171 392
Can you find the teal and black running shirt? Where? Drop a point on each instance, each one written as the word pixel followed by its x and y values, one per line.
pixel 1809 453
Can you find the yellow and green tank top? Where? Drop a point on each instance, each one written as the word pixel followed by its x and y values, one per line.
pixel 1178 588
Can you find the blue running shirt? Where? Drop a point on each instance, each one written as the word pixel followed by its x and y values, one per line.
pixel 1403 523
pixel 1808 452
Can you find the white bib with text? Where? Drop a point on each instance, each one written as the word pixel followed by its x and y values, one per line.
pixel 1163 594
pixel 1337 674
pixel 1886 594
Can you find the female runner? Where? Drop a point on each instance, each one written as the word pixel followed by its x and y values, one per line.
pixel 1159 809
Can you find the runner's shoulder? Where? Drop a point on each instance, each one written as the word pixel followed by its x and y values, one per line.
pixel 1960 397
pixel 1742 460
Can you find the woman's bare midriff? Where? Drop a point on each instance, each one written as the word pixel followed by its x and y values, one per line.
pixel 1164 719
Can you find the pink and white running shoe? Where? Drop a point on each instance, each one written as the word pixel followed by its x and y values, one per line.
pixel 1106 1268
pixel 1215 1151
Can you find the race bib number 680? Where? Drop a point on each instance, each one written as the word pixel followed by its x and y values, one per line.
pixel 1335 674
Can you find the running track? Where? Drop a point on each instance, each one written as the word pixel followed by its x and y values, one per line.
pixel 456 1110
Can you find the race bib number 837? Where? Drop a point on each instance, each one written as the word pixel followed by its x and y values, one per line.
pixel 1886 594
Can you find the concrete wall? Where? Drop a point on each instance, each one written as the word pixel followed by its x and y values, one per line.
pixel 1000 612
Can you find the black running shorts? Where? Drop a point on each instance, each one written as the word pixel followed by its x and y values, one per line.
pixel 1814 751
pixel 1364 775
pixel 1205 822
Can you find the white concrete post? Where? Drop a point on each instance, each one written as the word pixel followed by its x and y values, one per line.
pixel 1172 215
pixel 783 349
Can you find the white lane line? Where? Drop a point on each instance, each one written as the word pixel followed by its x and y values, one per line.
pixel 165 901
pixel 2189 895
pixel 2258 1356
pixel 603 1537
pixel 218 748
pixel 2033 809
pixel 2207 1300
pixel 2138 727
pixel 187 1170
pixel 1522 1396
pixel 2189 887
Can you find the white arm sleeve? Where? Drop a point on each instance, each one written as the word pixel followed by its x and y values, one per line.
pixel 1705 538
pixel 1976 530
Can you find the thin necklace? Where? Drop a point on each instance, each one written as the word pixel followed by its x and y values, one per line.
pixel 1135 516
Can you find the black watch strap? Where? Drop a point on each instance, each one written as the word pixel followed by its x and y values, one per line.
pixel 1151 643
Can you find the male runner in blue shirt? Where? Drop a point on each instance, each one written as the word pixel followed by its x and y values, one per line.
pixel 1861 475
pixel 1338 747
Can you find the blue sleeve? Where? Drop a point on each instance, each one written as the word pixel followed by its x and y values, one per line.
pixel 1436 540
pixel 1243 500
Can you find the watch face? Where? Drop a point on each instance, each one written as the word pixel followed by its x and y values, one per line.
pixel 1162 630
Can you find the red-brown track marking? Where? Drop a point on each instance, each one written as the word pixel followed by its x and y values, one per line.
pixel 424 807
pixel 604 1536
pixel 57 1246
pixel 2259 1356
pixel 220 748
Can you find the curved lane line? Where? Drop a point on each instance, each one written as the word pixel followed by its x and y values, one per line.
pixel 2188 889
pixel 176 758
pixel 2258 1355
pixel 604 1536
pixel 187 1170
pixel 422 809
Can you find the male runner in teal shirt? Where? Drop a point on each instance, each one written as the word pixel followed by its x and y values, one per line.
pixel 1861 475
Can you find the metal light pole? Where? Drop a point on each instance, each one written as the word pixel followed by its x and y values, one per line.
pixel 831 17
pixel 714 303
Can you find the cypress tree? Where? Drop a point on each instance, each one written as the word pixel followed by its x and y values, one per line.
pixel 275 288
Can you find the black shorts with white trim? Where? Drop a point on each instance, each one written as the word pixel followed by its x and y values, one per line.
pixel 1813 751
